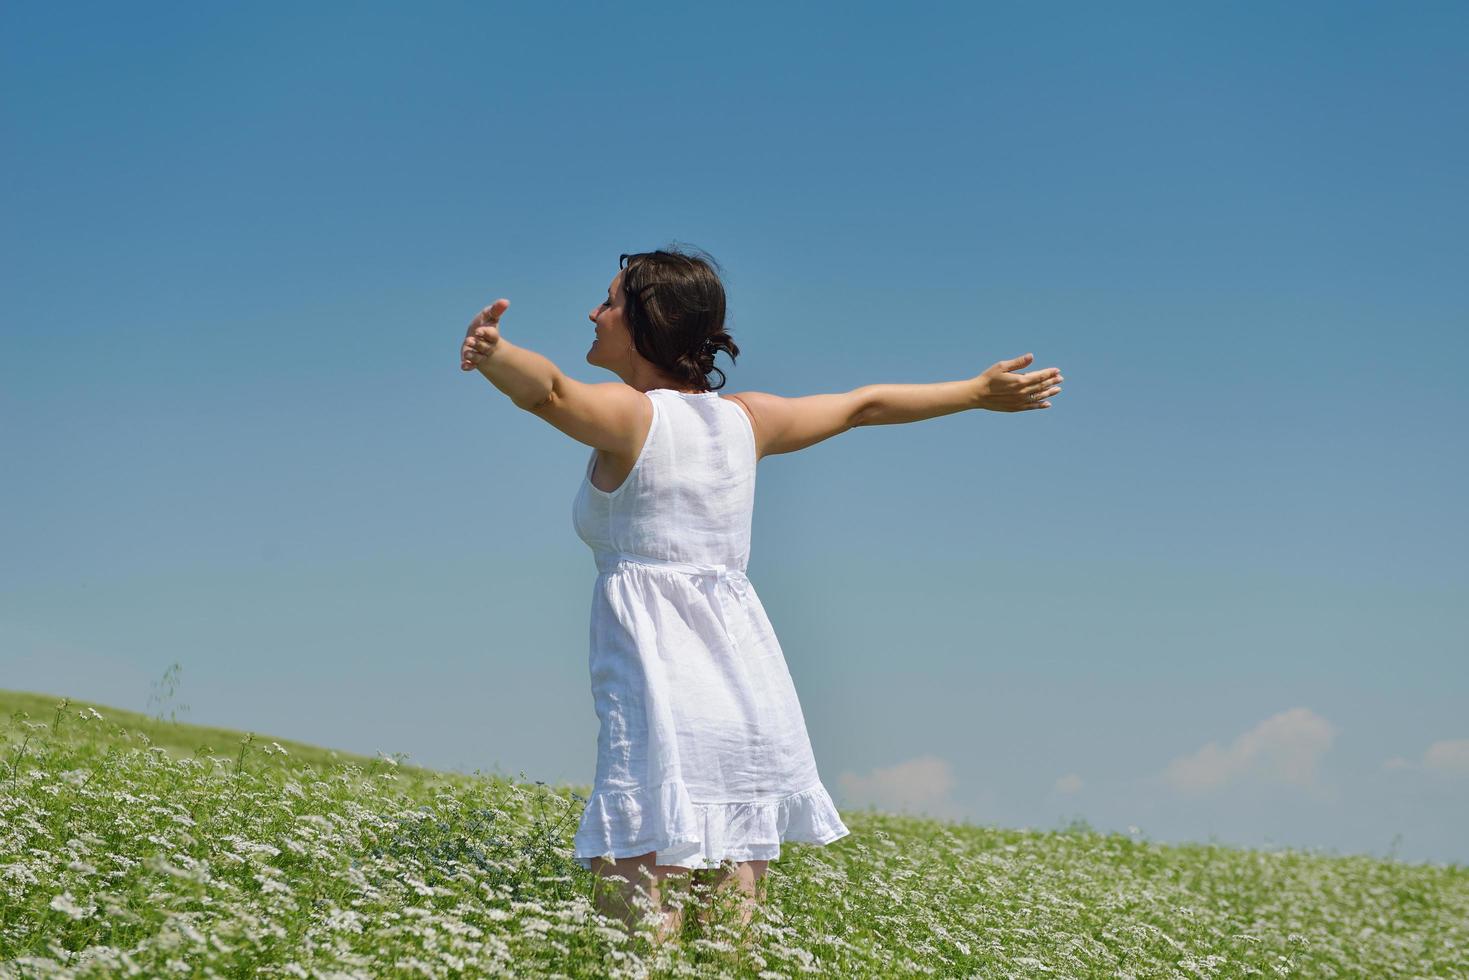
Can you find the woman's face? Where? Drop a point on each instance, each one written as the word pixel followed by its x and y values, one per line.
pixel 613 340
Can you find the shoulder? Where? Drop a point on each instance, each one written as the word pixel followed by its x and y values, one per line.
pixel 748 401
pixel 785 425
pixel 743 399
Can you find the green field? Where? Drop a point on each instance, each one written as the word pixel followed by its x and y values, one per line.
pixel 137 846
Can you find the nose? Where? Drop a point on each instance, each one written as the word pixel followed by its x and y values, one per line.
pixel 593 315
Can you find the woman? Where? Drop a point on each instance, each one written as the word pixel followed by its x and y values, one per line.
pixel 703 758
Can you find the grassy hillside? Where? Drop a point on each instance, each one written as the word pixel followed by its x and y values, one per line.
pixel 178 739
pixel 130 846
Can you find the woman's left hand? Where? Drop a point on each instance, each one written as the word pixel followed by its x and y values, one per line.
pixel 483 336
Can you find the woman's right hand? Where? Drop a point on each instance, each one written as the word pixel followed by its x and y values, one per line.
pixel 483 336
pixel 1001 389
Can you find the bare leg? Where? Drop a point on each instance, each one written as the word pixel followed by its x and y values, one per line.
pixel 620 899
pixel 743 881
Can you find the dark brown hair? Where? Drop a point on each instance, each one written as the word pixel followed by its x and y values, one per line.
pixel 675 310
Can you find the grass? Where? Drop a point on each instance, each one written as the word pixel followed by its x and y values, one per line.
pixel 135 846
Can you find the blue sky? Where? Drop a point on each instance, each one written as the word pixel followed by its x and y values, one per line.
pixel 1218 592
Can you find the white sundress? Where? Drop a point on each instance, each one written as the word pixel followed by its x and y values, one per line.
pixel 703 753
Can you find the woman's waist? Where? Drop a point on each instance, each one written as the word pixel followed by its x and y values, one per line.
pixel 610 560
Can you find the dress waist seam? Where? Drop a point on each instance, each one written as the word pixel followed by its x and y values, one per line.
pixel 607 561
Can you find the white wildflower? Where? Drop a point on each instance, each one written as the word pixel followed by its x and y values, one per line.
pixel 272 886
pixel 66 904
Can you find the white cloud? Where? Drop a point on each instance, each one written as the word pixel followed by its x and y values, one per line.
pixel 1285 748
pixel 1069 783
pixel 1449 757
pixel 918 785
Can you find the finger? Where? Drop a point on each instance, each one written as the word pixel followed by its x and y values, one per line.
pixel 1021 384
pixel 1023 402
pixel 493 312
pixel 1017 362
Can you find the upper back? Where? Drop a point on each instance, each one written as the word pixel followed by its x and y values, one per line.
pixel 690 495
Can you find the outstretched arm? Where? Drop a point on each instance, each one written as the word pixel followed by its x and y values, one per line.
pixel 998 389
pixel 610 416
pixel 785 425
pixel 522 374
